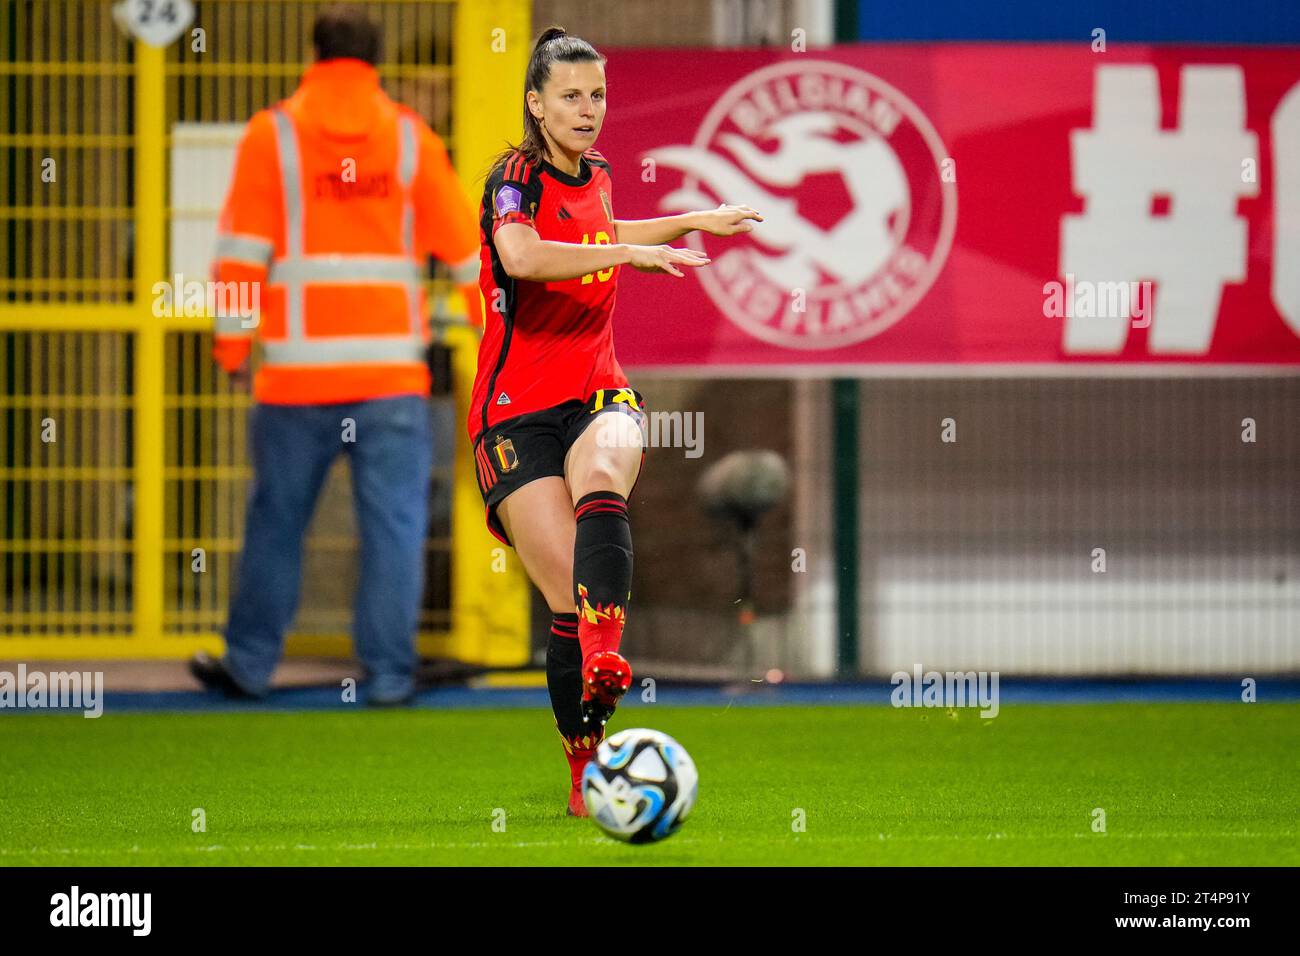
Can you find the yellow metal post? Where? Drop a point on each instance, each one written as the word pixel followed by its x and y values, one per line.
pixel 150 267
pixel 489 607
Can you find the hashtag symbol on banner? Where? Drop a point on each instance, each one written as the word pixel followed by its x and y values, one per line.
pixel 1122 165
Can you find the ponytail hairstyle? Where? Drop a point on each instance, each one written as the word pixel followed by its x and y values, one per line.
pixel 553 46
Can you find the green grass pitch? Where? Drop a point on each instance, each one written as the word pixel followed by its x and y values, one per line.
pixel 1197 784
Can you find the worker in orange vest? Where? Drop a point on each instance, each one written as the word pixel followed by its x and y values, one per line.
pixel 339 195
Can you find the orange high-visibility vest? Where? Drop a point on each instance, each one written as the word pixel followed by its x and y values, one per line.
pixel 338 197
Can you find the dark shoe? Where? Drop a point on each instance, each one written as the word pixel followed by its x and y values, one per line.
pixel 212 674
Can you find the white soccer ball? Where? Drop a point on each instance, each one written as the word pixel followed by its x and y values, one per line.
pixel 640 786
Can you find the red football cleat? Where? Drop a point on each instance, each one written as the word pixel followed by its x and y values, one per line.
pixel 578 757
pixel 606 676
pixel 577 807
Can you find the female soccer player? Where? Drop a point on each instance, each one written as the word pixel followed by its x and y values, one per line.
pixel 554 489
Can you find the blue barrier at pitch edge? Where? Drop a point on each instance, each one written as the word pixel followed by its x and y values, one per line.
pixel 1010 692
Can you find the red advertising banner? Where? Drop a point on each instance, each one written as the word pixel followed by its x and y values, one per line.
pixel 1013 208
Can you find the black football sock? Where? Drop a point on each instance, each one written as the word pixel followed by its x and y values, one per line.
pixel 564 679
pixel 602 570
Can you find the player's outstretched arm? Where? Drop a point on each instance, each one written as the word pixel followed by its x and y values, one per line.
pixel 726 220
pixel 525 255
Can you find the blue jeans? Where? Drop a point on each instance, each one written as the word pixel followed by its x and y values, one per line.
pixel 293 446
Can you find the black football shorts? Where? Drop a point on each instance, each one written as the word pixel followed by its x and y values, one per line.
pixel 518 450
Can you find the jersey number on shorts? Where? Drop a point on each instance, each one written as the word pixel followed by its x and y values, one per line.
pixel 623 395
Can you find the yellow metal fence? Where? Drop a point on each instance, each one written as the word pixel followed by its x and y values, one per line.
pixel 122 449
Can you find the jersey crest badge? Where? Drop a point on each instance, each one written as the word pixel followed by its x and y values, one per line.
pixel 507 457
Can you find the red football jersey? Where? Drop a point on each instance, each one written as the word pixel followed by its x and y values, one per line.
pixel 544 343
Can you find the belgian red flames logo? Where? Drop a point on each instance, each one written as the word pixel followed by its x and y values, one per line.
pixel 857 191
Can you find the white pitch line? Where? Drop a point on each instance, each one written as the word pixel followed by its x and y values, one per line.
pixel 480 844
pixel 215 848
